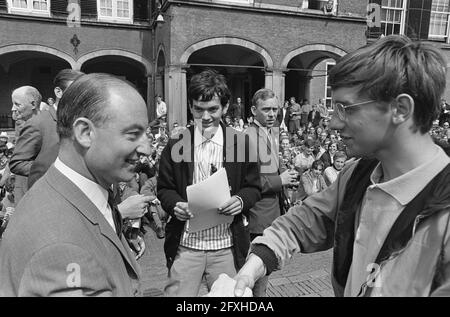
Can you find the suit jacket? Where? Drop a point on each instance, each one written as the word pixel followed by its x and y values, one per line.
pixel 37 137
pixel 266 210
pixel 49 149
pixel 315 121
pixel 286 117
pixel 67 248
pixel 176 174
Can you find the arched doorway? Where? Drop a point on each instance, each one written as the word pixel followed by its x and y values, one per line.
pixel 121 66
pixel 20 68
pixel 242 62
pixel 307 68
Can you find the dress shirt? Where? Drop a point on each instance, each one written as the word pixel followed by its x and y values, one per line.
pixel 93 191
pixel 207 152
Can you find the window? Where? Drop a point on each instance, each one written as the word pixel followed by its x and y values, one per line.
pixel 329 66
pixel 317 4
pixel 439 20
pixel 115 10
pixel 393 16
pixel 38 7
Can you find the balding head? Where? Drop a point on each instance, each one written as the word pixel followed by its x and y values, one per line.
pixel 26 101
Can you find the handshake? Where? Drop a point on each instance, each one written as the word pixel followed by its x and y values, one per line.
pixel 225 286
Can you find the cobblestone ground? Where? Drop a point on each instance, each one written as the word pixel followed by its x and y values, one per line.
pixel 306 275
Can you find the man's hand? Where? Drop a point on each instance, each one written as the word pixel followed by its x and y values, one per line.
pixel 232 207
pixel 138 246
pixel 182 212
pixel 225 286
pixel 288 177
pixel 134 206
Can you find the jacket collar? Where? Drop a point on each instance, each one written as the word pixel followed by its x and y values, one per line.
pixel 60 183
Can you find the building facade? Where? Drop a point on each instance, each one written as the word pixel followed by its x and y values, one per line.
pixel 286 45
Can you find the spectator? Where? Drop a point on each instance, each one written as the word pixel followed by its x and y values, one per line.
pixel 161 108
pixel 26 101
pixel 304 160
pixel 311 181
pixel 294 115
pixel 331 172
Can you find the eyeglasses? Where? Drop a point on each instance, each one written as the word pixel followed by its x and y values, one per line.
pixel 339 108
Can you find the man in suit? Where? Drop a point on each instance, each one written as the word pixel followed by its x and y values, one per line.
pixel 206 147
pixel 283 116
pixel 26 102
pixel 37 149
pixel 73 245
pixel 314 116
pixel 261 131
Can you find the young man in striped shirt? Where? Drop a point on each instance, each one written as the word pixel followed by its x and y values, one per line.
pixel 206 147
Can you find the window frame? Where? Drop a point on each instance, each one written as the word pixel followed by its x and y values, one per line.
pixel 326 98
pixel 29 10
pixel 114 17
pixel 445 37
pixel 242 2
pixel 402 17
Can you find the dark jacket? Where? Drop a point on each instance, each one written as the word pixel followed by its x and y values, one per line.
pixel 174 176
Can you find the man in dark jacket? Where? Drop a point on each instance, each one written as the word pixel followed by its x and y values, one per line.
pixel 387 216
pixel 206 147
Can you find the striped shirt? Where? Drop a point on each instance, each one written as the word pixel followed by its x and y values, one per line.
pixel 207 153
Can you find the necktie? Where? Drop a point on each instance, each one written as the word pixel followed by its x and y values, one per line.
pixel 115 213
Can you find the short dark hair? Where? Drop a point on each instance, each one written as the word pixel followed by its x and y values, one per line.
pixel 87 97
pixel 394 65
pixel 64 77
pixel 205 85
pixel 316 164
pixel 262 94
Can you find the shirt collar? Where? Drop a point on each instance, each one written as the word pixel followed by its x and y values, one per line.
pixel 199 138
pixel 407 186
pixel 267 131
pixel 96 193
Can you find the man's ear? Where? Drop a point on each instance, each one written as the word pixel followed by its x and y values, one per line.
pixel 83 131
pixel 403 108
pixel 253 109
pixel 58 92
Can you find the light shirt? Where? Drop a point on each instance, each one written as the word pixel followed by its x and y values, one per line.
pixel 93 191
pixel 382 204
pixel 207 153
pixel 161 109
pixel 330 174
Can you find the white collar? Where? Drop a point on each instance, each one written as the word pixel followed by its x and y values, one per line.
pixel 96 193
pixel 199 138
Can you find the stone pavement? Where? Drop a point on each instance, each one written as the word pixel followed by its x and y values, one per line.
pixel 305 275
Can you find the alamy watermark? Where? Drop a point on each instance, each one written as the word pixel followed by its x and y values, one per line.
pixel 74 17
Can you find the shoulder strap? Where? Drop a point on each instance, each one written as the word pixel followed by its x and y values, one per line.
pixel 345 219
pixel 402 230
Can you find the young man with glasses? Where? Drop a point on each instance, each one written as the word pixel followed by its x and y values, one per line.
pixel 387 215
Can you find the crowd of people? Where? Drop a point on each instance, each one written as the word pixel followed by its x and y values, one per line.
pixel 360 177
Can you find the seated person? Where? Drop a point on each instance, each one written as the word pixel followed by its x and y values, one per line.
pixel 331 172
pixel 311 181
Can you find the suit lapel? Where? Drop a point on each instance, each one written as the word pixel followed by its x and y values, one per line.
pixel 83 204
pixel 190 154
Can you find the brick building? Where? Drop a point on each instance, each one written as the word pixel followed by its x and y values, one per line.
pixel 286 45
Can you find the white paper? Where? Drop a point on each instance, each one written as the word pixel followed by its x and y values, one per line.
pixel 204 200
